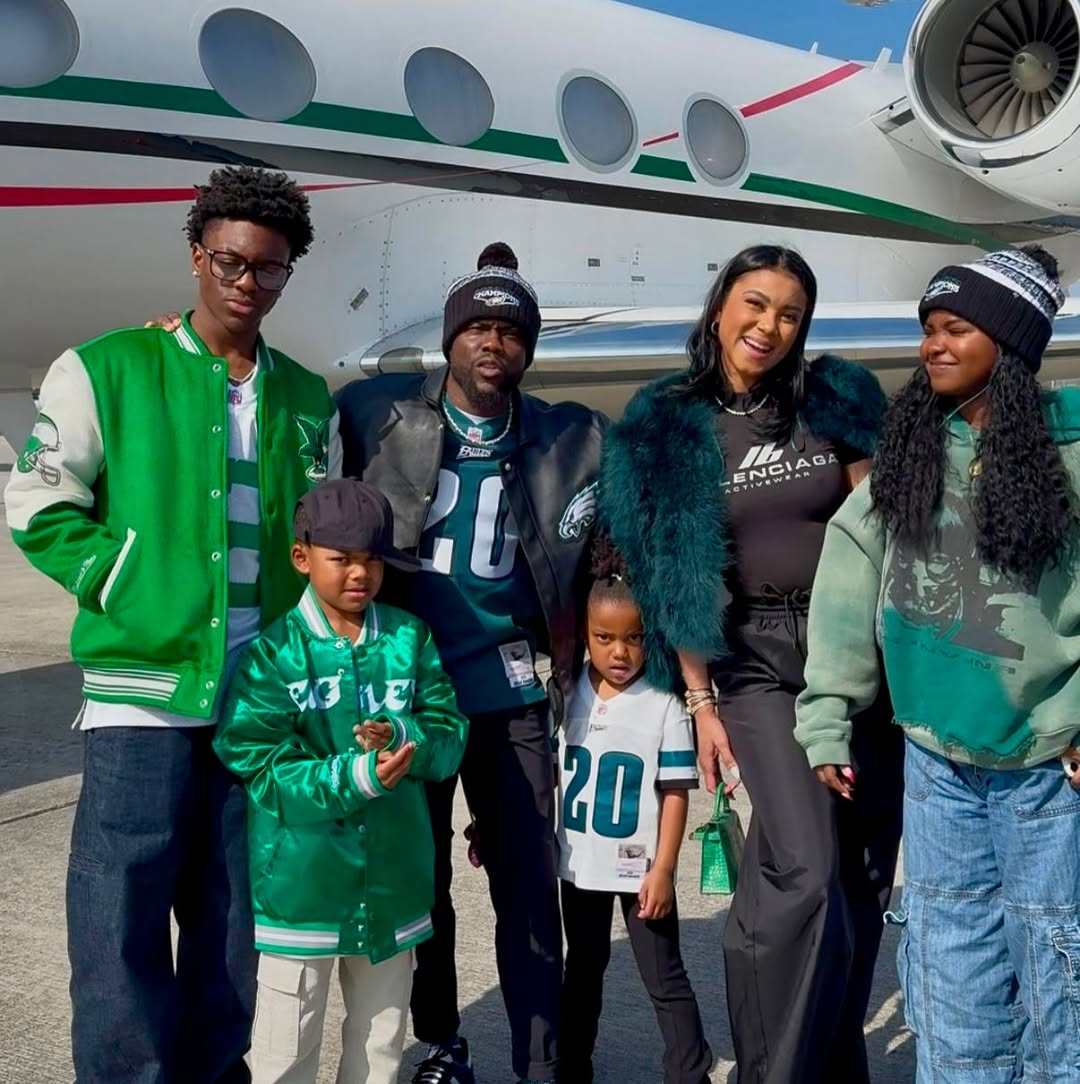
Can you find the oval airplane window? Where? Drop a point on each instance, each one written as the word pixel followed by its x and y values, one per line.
pixel 716 139
pixel 597 122
pixel 260 68
pixel 38 43
pixel 448 96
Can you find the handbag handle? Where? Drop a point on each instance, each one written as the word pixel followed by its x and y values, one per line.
pixel 721 806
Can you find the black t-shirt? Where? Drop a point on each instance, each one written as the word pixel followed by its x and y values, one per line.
pixel 780 496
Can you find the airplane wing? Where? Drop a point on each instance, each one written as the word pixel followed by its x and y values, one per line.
pixel 601 355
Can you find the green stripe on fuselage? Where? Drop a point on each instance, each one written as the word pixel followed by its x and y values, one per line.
pixel 321 115
pixel 378 123
pixel 870 206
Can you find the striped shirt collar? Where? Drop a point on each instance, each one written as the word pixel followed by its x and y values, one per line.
pixel 311 613
pixel 189 340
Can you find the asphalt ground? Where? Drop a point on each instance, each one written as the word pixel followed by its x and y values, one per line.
pixel 40 758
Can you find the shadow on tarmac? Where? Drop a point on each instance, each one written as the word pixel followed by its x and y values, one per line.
pixel 37 743
pixel 629 1049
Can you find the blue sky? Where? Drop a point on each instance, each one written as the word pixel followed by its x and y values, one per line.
pixel 845 29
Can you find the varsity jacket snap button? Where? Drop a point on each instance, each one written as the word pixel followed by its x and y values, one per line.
pixel 210 684
pixel 217 368
pixel 342 643
pixel 214 622
pixel 204 703
pixel 215 493
pixel 215 556
pixel 215 429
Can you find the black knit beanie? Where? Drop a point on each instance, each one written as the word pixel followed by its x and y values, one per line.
pixel 1012 295
pixel 495 291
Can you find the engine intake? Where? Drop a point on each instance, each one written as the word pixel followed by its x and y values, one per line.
pixel 994 83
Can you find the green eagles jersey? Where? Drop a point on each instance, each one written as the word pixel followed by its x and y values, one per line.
pixel 475 589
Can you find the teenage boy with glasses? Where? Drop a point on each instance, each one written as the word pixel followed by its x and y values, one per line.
pixel 148 491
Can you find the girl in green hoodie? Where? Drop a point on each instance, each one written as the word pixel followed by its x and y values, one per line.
pixel 955 569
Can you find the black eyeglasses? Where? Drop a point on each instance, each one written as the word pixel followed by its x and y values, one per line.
pixel 229 267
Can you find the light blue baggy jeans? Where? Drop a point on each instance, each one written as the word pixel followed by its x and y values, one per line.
pixel 989 956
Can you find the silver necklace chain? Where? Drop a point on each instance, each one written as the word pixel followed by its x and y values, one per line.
pixel 480 443
pixel 742 413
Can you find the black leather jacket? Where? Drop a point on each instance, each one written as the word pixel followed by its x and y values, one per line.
pixel 392 435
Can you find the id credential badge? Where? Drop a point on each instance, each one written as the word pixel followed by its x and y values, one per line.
pixel 631 865
pixel 517 662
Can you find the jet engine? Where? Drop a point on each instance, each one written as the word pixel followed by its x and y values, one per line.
pixel 994 83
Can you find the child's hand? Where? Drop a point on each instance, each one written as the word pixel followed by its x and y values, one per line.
pixel 656 895
pixel 391 768
pixel 371 735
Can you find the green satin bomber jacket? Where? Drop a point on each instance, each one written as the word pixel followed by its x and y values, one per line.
pixel 339 865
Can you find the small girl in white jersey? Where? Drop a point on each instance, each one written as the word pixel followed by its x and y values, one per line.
pixel 628 762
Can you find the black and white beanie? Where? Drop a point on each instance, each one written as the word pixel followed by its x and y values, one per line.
pixel 495 291
pixel 1010 295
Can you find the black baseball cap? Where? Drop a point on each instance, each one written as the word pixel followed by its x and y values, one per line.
pixel 347 514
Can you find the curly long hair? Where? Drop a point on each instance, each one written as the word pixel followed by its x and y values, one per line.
pixel 253 195
pixel 1022 499
pixel 785 383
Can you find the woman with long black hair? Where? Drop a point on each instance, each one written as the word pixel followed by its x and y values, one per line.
pixel 958 566
pixel 716 487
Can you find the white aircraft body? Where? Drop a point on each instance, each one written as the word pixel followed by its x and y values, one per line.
pixel 625 155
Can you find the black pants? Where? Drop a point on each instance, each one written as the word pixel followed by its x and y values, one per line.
pixel 587 919
pixel 804 929
pixel 509 783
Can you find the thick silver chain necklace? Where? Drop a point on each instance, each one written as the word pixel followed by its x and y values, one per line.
pixel 742 413
pixel 474 440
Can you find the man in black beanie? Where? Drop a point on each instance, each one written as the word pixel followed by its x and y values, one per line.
pixel 494 491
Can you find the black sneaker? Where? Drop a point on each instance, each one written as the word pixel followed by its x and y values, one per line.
pixel 446 1064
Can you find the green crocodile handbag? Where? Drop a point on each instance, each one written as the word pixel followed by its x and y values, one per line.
pixel 722 842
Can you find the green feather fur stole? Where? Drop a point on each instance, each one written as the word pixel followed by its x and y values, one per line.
pixel 661 502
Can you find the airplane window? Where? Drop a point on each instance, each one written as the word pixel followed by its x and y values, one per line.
pixel 39 42
pixel 260 68
pixel 716 139
pixel 448 96
pixel 597 122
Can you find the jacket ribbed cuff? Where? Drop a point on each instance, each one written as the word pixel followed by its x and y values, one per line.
pixel 828 752
pixel 365 777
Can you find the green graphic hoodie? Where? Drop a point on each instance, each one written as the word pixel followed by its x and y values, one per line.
pixel 981 668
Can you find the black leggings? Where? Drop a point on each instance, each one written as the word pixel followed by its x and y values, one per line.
pixel 655 943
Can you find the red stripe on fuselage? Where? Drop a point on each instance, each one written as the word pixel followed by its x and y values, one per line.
pixel 35 196
pixel 793 94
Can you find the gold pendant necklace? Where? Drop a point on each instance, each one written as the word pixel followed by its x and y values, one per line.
pixel 975 468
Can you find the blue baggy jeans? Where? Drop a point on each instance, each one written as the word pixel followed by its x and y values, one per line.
pixel 989 957
pixel 159 828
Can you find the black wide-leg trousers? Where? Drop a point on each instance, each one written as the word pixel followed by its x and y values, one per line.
pixel 804 929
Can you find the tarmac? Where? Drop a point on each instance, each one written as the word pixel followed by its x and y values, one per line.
pixel 40 761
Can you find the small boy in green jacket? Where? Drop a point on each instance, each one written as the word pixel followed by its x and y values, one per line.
pixel 335 717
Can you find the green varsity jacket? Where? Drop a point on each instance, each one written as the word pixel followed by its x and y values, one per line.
pixel 339 865
pixel 121 496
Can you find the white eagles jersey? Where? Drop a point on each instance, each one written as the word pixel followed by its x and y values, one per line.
pixel 614 757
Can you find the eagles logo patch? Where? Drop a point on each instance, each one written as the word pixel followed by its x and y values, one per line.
pixel 580 514
pixel 44 438
pixel 314 448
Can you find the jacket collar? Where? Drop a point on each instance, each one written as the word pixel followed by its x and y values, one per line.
pixel 525 406
pixel 314 620
pixel 188 340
